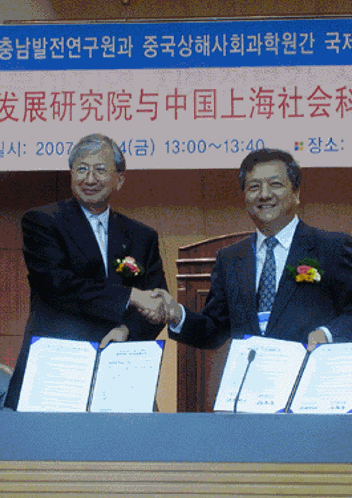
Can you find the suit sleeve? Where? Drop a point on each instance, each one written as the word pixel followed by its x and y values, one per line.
pixel 211 328
pixel 340 276
pixel 153 278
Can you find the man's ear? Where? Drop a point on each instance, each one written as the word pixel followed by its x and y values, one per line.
pixel 297 194
pixel 120 180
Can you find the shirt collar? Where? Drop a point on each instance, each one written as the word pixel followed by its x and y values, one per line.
pixel 284 237
pixel 103 217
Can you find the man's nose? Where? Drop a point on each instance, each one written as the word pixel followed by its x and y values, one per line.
pixel 265 190
pixel 90 176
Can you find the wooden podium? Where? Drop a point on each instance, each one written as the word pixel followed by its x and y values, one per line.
pixel 199 371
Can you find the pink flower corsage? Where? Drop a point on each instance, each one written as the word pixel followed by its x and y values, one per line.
pixel 128 267
pixel 307 270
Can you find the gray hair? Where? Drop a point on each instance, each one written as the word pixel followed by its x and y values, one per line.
pixel 94 142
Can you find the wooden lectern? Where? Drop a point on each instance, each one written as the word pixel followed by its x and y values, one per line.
pixel 199 371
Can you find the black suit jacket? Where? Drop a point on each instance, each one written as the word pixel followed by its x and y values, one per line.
pixel 299 308
pixel 71 297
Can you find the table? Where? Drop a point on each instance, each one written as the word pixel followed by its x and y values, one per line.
pixel 185 454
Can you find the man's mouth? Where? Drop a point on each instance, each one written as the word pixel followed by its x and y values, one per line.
pixel 87 191
pixel 266 206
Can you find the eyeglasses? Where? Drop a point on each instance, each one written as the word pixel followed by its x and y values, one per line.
pixel 99 170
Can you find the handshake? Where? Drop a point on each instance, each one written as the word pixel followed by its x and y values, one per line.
pixel 157 306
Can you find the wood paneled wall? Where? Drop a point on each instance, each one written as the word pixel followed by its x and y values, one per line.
pixel 183 9
pixel 19 192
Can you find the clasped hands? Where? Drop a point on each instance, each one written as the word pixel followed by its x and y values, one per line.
pixel 157 306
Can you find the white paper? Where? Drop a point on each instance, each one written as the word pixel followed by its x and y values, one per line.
pixel 270 377
pixel 58 376
pixel 127 377
pixel 326 385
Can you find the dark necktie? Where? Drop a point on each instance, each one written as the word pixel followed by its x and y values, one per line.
pixel 267 283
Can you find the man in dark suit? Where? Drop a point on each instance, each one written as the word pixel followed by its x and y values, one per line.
pixel 89 268
pixel 290 281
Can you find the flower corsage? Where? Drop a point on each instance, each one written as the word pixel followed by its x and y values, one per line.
pixel 128 267
pixel 307 270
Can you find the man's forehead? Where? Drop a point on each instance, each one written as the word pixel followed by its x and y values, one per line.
pixel 103 152
pixel 267 170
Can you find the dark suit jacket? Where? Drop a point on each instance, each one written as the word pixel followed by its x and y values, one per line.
pixel 299 308
pixel 71 297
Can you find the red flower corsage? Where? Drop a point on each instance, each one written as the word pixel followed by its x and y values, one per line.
pixel 128 267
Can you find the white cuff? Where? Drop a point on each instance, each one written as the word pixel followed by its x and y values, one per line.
pixel 328 334
pixel 177 329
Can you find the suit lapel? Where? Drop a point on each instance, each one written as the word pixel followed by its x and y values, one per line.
pixel 80 231
pixel 303 244
pixel 119 242
pixel 244 274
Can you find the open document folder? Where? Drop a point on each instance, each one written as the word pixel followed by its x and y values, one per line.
pixel 265 375
pixel 75 376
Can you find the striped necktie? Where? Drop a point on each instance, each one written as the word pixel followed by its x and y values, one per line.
pixel 267 283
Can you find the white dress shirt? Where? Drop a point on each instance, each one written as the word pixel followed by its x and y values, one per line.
pixel 281 251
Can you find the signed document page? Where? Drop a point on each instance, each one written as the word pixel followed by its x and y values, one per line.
pixel 127 377
pixel 326 385
pixel 270 376
pixel 58 375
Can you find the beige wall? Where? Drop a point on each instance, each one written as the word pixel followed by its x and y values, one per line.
pixel 26 10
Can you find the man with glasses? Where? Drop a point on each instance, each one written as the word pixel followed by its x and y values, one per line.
pixel 90 269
